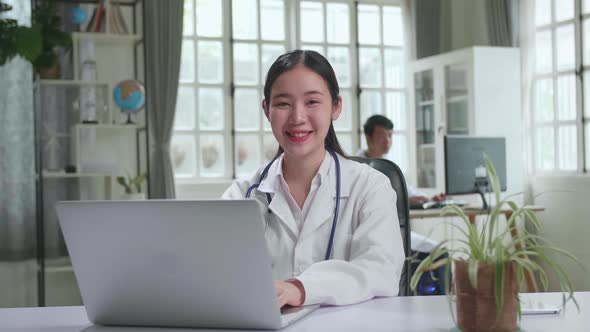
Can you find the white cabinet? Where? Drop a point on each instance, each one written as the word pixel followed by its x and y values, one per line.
pixel 475 91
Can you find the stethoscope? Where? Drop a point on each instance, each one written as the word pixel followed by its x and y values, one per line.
pixel 336 209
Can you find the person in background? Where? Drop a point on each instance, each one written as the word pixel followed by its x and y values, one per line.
pixel 310 186
pixel 379 133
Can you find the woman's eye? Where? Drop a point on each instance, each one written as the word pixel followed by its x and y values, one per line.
pixel 313 102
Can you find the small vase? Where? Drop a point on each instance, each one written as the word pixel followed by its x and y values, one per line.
pixel 52 73
pixel 133 197
pixel 476 308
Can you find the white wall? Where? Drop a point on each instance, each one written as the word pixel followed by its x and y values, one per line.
pixel 567 222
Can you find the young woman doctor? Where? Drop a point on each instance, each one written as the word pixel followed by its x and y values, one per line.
pixel 330 223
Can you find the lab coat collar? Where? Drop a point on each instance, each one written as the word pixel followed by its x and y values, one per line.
pixel 327 170
pixel 322 208
pixel 345 168
pixel 278 205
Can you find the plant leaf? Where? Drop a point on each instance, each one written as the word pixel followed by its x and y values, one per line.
pixel 499 286
pixel 472 272
pixel 29 42
pixel 493 177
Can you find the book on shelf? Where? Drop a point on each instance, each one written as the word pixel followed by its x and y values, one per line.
pixel 115 20
pixel 99 18
pixel 91 22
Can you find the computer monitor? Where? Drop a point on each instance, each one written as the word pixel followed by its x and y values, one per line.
pixel 465 168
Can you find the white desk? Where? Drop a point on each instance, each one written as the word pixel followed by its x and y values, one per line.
pixel 407 314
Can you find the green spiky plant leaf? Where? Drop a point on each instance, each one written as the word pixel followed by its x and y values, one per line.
pixel 488 245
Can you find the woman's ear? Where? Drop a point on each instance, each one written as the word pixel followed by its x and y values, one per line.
pixel 337 109
pixel 265 109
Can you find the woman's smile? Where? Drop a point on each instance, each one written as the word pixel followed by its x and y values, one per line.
pixel 298 136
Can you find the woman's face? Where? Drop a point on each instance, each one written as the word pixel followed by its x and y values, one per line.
pixel 300 111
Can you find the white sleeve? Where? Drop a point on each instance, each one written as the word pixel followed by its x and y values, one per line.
pixel 413 192
pixel 376 257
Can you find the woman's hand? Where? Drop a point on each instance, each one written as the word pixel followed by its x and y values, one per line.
pixel 290 292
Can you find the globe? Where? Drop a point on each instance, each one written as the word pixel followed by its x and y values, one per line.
pixel 129 95
pixel 78 15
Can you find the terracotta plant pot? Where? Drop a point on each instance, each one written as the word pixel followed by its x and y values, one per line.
pixel 476 308
pixel 51 73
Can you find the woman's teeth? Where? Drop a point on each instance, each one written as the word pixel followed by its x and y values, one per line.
pixel 298 134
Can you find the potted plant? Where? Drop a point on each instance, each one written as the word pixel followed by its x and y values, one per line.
pixel 45 18
pixel 7 35
pixel 132 186
pixel 36 43
pixel 489 269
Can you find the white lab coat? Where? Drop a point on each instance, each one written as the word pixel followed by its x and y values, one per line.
pixel 367 255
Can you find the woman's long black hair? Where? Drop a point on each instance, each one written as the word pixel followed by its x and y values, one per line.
pixel 313 61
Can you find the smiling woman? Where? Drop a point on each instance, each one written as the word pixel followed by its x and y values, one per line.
pixel 328 226
pixel 301 99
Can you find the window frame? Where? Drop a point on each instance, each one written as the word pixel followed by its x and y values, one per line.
pixel 292 41
pixel 554 75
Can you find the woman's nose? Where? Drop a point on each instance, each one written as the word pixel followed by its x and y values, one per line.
pixel 297 114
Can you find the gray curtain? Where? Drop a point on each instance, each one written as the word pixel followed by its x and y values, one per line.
pixel 427 24
pixel 409 22
pixel 17 162
pixel 18 266
pixel 163 40
pixel 17 154
pixel 500 22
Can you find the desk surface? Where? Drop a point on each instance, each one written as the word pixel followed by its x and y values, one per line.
pixel 408 314
pixel 436 213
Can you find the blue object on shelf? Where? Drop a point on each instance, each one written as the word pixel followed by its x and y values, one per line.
pixel 79 15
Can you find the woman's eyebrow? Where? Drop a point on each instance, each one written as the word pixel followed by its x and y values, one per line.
pixel 313 92
pixel 281 95
pixel 288 95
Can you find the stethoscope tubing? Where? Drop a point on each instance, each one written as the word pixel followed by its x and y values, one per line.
pixel 336 208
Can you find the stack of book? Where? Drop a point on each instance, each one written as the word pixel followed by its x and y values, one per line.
pixel 111 15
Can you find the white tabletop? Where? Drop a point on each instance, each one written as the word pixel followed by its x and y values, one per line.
pixel 406 314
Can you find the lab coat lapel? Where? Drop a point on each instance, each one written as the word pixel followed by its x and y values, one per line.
pixel 280 208
pixel 278 205
pixel 322 209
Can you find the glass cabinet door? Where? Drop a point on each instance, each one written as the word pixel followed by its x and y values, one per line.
pixel 457 101
pixel 425 129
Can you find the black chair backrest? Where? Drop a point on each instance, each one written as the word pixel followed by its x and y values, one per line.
pixel 398 182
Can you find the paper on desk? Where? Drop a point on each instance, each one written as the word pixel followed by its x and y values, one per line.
pixel 532 307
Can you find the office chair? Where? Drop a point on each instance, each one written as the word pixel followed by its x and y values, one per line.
pixel 398 182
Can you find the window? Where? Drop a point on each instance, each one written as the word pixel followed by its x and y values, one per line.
pixel 259 37
pixel 327 30
pixel 220 129
pixel 381 77
pixel 559 122
pixel 200 143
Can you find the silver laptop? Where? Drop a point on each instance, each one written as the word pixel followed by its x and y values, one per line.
pixel 172 263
